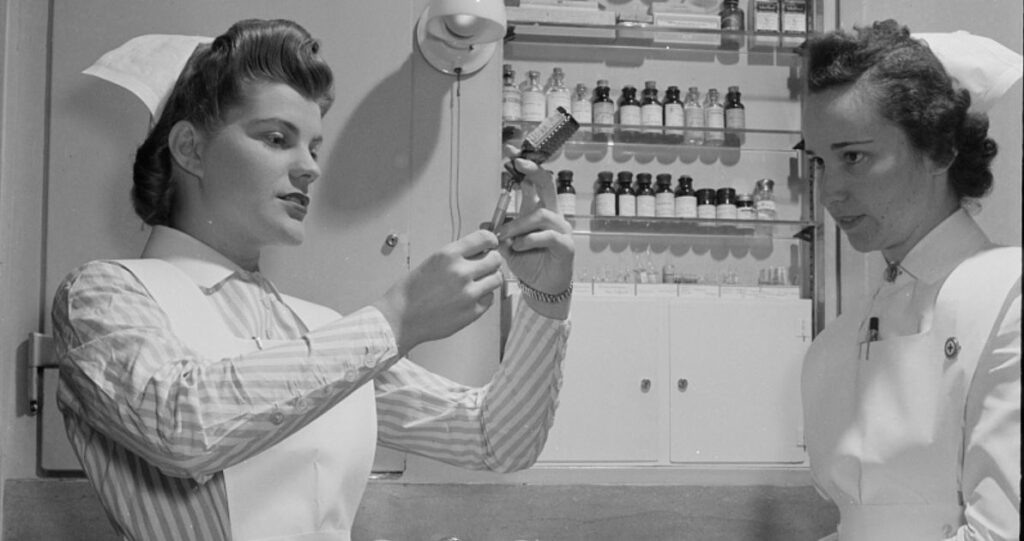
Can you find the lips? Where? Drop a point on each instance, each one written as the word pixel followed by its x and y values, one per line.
pixel 849 222
pixel 299 199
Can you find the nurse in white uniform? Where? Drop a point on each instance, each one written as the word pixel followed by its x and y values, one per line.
pixel 912 406
pixel 206 405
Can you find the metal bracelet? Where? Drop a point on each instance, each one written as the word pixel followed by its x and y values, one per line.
pixel 545 297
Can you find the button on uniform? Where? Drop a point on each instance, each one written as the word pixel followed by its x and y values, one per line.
pixel 277 417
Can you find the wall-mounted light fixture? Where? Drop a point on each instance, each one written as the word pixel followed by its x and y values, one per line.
pixel 460 36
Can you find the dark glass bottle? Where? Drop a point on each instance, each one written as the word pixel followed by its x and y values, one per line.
pixel 629 114
pixel 686 198
pixel 644 196
pixel 664 199
pixel 603 111
pixel 733 24
pixel 625 197
pixel 566 197
pixel 604 195
pixel 735 118
pixel 674 117
pixel 651 112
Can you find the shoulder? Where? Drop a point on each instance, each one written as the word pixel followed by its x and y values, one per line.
pixel 95 280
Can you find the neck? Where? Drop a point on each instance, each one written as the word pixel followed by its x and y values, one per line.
pixel 896 254
pixel 215 235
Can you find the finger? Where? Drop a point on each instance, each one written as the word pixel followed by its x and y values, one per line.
pixel 538 187
pixel 485 265
pixel 475 243
pixel 509 151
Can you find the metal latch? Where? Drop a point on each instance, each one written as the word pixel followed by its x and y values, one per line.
pixel 40 357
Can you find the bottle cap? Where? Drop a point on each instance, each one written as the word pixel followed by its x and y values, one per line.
pixel 625 176
pixel 643 178
pixel 565 175
pixel 705 196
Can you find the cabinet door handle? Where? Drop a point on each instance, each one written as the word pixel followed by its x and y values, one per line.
pixel 645 385
pixel 682 384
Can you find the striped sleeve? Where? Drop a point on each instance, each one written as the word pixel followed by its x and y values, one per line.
pixel 501 426
pixel 124 371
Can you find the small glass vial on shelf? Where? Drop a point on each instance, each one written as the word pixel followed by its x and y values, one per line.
pixel 629 113
pixel 645 196
pixel 566 196
pixel 733 25
pixel 706 203
pixel 735 118
pixel 673 111
pixel 533 101
pixel 725 204
pixel 764 199
pixel 664 199
pixel 625 197
pixel 745 207
pixel 686 198
pixel 580 107
pixel 651 112
pixel 604 195
pixel 693 118
pixel 511 96
pixel 557 94
pixel 714 119
pixel 767 22
pixel 603 108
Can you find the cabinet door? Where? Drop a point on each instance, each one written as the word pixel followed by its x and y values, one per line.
pixel 739 364
pixel 606 412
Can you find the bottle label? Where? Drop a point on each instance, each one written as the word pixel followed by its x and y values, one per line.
pixel 766 16
pixel 674 114
pixel 567 204
pixel 725 212
pixel 794 17
pixel 715 117
pixel 732 21
pixel 705 211
pixel 686 206
pixel 556 100
pixel 645 206
pixel 746 213
pixel 765 210
pixel 650 115
pixel 604 113
pixel 511 105
pixel 627 205
pixel 629 115
pixel 533 106
pixel 664 205
pixel 605 204
pixel 581 111
pixel 735 118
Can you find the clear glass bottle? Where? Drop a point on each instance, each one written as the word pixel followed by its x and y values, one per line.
pixel 557 94
pixel 645 196
pixel 580 107
pixel 566 196
pixel 767 22
pixel 714 119
pixel 686 198
pixel 604 195
pixel 764 199
pixel 733 25
pixel 511 96
pixel 534 102
pixel 735 118
pixel 629 113
pixel 673 114
pixel 603 108
pixel 664 199
pixel 625 197
pixel 651 112
pixel 693 118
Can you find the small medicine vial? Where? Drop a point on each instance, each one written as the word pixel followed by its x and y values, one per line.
pixel 693 117
pixel 566 198
pixel 645 197
pixel 706 203
pixel 664 199
pixel 533 99
pixel 673 108
pixel 725 204
pixel 733 23
pixel 604 195
pixel 686 198
pixel 714 119
pixel 511 97
pixel 603 108
pixel 629 112
pixel 745 207
pixel 651 112
pixel 735 118
pixel 580 107
pixel 557 94
pixel 764 199
pixel 625 197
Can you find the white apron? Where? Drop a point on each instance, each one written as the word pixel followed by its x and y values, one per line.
pixel 308 486
pixel 887 443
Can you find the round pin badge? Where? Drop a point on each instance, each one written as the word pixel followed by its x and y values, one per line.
pixel 952 347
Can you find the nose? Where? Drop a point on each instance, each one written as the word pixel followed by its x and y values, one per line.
pixel 830 184
pixel 305 171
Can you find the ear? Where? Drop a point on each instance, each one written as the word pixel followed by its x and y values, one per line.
pixel 186 145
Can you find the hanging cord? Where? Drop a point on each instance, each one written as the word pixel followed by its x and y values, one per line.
pixel 455 165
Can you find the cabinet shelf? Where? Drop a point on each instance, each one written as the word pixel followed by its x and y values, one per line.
pixel 625 226
pixel 646 36
pixel 663 138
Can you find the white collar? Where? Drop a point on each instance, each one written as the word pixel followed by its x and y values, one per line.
pixel 207 267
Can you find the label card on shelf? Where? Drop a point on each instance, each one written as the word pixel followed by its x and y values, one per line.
pixel 657 290
pixel 698 291
pixel 780 292
pixel 614 289
pixel 739 292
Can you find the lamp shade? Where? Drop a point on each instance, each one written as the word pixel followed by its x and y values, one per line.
pixel 460 36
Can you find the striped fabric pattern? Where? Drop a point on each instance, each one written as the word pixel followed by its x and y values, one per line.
pixel 154 424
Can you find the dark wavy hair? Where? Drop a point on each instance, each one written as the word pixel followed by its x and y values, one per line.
pixel 911 89
pixel 214 81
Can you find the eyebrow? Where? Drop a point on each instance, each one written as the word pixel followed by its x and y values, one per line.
pixel 842 144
